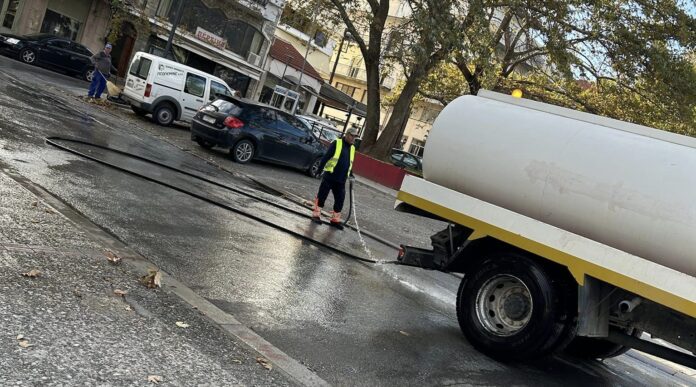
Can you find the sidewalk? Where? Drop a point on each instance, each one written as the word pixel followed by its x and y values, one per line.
pixel 68 326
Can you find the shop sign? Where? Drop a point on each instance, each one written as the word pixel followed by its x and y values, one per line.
pixel 210 38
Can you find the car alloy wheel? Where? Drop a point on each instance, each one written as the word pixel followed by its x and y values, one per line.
pixel 28 56
pixel 244 151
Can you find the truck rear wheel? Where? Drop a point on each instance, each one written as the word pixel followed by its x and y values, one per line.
pixel 595 348
pixel 512 307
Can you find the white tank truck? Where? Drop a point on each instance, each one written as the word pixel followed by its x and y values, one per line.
pixel 574 232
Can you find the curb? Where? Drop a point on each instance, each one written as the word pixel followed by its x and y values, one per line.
pixel 285 364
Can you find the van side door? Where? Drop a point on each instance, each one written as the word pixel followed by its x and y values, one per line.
pixel 193 96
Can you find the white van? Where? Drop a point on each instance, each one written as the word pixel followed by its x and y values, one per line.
pixel 169 90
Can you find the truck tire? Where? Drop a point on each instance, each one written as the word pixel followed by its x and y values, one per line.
pixel 594 348
pixel 513 307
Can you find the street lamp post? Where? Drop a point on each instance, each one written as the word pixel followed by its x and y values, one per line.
pixel 175 24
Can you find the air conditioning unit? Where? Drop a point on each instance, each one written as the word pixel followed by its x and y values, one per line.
pixel 254 59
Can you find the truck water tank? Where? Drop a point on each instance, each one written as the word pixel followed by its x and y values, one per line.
pixel 624 185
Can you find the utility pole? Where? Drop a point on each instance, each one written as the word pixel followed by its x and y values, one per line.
pixel 333 70
pixel 309 45
pixel 338 56
pixel 175 24
pixel 287 59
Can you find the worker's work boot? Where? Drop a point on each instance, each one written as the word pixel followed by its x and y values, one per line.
pixel 336 220
pixel 316 211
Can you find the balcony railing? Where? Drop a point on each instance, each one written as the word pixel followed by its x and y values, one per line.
pixel 350 71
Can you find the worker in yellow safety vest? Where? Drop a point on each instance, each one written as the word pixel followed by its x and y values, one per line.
pixel 337 164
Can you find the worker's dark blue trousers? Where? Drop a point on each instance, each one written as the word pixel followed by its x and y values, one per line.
pixel 339 193
pixel 96 88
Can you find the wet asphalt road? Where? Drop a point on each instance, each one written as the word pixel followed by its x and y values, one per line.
pixel 352 323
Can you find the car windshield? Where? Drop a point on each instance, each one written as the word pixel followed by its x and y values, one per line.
pixel 320 130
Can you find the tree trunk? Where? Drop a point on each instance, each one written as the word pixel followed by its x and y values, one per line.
pixel 369 137
pixel 382 149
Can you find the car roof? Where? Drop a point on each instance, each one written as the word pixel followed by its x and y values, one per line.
pixel 43 36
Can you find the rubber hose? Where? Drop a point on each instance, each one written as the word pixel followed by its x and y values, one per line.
pixel 51 141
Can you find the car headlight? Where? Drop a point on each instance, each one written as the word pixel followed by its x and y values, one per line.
pixel 12 40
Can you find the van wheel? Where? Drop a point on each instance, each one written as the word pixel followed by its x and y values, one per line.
pixel 594 348
pixel 243 151
pixel 164 114
pixel 512 307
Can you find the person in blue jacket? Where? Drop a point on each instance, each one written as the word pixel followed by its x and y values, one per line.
pixel 337 165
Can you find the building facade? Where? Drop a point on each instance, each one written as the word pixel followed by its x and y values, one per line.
pixel 84 21
pixel 228 38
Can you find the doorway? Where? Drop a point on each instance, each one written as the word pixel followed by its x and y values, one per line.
pixel 123 49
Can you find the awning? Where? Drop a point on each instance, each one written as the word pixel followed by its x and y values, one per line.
pixel 208 51
pixel 332 97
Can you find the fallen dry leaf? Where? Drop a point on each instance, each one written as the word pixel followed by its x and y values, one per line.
pixel 33 273
pixel 265 363
pixel 113 258
pixel 34 203
pixel 25 344
pixel 20 337
pixel 155 379
pixel 120 292
pixel 182 324
pixel 49 211
pixel 128 308
pixel 236 361
pixel 153 279
pixel 405 333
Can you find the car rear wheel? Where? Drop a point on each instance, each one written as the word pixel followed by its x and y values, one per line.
pixel 164 114
pixel 27 56
pixel 88 75
pixel 243 151
pixel 314 170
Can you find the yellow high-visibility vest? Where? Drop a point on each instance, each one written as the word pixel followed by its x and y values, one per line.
pixel 331 164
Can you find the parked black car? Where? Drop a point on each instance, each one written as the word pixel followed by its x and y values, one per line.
pixel 49 51
pixel 256 131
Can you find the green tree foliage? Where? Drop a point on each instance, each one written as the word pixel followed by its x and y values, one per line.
pixel 627 59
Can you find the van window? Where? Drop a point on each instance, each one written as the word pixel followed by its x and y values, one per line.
pixel 140 67
pixel 217 89
pixel 195 85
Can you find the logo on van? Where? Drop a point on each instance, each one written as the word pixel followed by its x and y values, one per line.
pixel 164 70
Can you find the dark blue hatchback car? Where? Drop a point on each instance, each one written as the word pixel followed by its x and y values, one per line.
pixel 256 131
